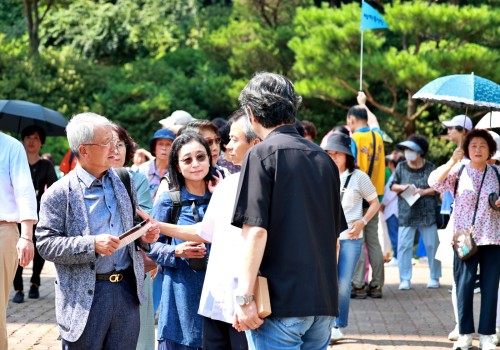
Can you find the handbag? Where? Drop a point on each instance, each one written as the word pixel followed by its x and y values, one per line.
pixel 463 240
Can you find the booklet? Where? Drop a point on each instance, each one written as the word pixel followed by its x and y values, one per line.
pixel 134 233
pixel 410 195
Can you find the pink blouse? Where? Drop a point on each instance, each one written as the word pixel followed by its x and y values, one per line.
pixel 487 224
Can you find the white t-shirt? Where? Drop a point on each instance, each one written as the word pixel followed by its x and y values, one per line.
pixel 217 296
pixel 360 187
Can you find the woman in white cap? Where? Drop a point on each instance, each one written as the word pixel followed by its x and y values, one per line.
pixel 420 214
pixel 356 186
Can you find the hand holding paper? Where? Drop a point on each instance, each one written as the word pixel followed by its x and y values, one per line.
pixel 410 195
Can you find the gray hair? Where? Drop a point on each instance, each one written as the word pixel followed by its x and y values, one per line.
pixel 250 135
pixel 272 99
pixel 80 129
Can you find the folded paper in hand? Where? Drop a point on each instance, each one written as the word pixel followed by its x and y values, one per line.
pixel 410 195
pixel 262 297
pixel 134 233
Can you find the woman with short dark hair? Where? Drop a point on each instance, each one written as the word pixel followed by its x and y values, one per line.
pixel 471 185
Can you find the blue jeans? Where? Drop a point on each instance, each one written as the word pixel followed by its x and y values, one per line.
pixel 292 333
pixel 406 238
pixel 350 249
pixel 393 227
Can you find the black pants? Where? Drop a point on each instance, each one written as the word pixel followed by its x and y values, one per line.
pixel 464 273
pixel 221 335
pixel 38 263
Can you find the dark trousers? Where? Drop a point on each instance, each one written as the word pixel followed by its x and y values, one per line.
pixel 38 263
pixel 465 275
pixel 114 319
pixel 221 335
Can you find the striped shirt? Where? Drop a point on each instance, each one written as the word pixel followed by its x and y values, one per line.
pixel 360 187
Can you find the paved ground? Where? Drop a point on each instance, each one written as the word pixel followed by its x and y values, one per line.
pixel 415 319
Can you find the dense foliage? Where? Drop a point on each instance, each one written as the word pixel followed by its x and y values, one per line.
pixel 136 61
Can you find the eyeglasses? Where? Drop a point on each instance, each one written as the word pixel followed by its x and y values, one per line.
pixel 199 158
pixel 212 141
pixel 117 143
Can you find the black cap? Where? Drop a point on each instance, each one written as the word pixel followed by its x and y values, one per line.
pixel 339 143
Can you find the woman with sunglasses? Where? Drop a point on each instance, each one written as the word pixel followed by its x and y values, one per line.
pixel 189 169
pixel 209 132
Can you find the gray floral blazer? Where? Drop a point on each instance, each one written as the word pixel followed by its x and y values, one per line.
pixel 63 237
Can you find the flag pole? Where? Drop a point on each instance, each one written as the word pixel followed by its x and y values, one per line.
pixel 361 65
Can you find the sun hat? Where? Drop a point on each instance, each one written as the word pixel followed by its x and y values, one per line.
pixel 410 145
pixel 161 134
pixel 178 117
pixel 459 120
pixel 496 137
pixel 339 143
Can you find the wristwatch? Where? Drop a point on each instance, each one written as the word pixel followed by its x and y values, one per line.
pixel 364 221
pixel 244 299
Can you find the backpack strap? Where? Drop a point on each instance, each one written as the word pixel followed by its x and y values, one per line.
pixel 458 179
pixel 125 178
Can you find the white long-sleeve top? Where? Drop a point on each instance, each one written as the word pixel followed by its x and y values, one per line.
pixel 17 193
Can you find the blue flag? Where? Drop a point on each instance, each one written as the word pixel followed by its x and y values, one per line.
pixel 370 18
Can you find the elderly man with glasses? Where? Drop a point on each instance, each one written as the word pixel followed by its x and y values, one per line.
pixel 98 286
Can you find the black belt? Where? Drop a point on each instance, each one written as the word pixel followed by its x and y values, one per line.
pixel 116 276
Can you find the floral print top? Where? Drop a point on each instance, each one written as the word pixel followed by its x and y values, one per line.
pixel 487 224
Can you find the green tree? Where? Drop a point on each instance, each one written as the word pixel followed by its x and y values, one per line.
pixel 425 41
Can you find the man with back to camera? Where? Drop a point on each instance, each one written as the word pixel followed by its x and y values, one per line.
pixel 288 205
pixel 370 149
pixel 18 205
pixel 98 287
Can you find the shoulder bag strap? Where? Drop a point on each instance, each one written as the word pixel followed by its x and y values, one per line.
pixel 479 195
pixel 458 179
pixel 372 160
pixel 345 187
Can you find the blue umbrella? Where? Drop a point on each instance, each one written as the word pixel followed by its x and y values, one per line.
pixel 462 90
pixel 15 115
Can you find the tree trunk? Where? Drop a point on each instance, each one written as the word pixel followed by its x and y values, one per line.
pixel 31 26
pixel 410 122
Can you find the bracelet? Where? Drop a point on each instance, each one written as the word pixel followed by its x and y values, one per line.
pixel 364 221
pixel 29 240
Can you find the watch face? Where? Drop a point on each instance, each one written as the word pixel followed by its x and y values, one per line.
pixel 240 300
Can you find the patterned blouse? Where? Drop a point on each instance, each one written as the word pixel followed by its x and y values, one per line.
pixel 487 224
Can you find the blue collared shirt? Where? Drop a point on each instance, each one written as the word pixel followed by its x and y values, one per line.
pixel 104 217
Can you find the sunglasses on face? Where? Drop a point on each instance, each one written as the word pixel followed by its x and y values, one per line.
pixel 457 128
pixel 211 142
pixel 200 158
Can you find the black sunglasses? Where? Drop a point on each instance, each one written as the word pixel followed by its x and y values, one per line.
pixel 199 158
pixel 212 141
pixel 457 128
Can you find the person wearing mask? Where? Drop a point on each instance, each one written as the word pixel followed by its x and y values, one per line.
pixel 413 173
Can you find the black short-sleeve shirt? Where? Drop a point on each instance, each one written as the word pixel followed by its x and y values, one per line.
pixel 290 186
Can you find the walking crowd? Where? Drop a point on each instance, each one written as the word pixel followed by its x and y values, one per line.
pixel 210 207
